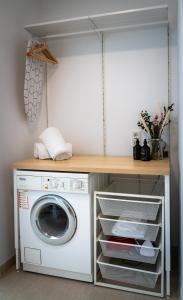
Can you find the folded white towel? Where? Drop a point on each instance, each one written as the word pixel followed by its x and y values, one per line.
pixel 54 142
pixel 67 154
pixel 123 229
pixel 40 151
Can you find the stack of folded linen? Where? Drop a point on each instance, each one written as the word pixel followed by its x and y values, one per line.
pixel 52 145
pixel 127 229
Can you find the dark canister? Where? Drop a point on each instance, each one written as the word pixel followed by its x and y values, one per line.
pixel 145 151
pixel 137 150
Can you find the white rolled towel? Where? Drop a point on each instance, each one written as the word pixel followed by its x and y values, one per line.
pixel 67 154
pixel 40 151
pixel 54 142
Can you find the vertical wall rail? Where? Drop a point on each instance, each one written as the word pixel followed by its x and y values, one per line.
pixel 103 97
pixel 47 122
pixel 167 234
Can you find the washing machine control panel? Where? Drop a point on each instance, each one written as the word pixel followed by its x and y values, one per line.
pixel 69 185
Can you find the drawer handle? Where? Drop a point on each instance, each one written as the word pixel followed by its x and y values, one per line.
pixel 133 222
pixel 132 201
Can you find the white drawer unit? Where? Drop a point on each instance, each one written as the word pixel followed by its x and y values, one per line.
pixel 129 237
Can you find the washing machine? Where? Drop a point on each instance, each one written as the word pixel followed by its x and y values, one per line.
pixel 55 222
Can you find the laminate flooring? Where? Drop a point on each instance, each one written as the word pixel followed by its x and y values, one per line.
pixel 30 286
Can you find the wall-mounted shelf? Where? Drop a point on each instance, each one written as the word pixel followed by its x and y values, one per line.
pixel 102 22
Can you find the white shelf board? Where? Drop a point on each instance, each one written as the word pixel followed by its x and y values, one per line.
pixel 99 23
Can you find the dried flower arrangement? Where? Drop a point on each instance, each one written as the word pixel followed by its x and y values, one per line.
pixel 155 127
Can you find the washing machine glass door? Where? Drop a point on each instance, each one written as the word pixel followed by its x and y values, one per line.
pixel 53 220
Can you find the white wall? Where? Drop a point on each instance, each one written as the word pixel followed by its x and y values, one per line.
pixel 75 92
pixel 136 78
pixel 16 136
pixel 59 9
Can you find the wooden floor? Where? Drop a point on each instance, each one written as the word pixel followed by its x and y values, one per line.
pixel 30 286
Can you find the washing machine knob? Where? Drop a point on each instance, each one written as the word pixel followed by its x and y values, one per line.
pixel 77 185
pixel 54 184
pixel 62 184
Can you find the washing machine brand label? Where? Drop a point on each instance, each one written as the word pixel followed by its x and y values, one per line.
pixel 22 178
pixel 23 199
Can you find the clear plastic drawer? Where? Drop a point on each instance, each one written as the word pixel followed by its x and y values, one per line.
pixel 129 251
pixel 141 208
pixel 130 229
pixel 139 276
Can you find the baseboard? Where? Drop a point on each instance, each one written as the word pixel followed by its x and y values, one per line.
pixel 4 267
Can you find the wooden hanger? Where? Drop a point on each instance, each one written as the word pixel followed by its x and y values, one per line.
pixel 41 52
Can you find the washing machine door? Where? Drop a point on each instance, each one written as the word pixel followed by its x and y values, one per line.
pixel 53 220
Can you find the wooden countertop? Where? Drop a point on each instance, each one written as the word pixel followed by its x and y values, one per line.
pixel 98 164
